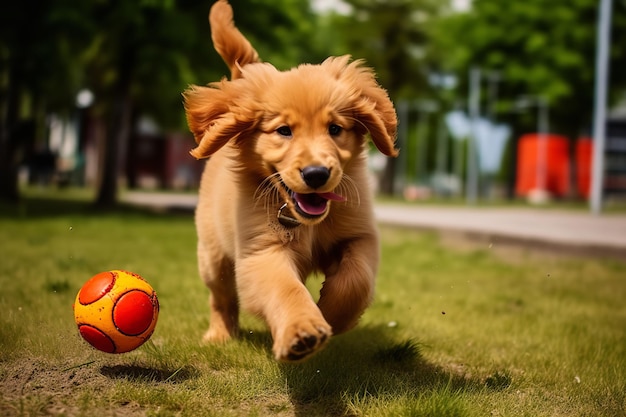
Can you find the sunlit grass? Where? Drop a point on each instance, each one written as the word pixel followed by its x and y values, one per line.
pixel 451 333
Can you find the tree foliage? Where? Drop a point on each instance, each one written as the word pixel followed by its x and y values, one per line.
pixel 138 56
pixel 38 71
pixel 540 49
pixel 392 36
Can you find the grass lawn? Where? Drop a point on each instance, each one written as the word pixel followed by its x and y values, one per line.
pixel 472 332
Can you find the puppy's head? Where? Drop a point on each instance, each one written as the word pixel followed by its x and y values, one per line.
pixel 296 131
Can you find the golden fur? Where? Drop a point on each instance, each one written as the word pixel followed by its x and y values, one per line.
pixel 294 139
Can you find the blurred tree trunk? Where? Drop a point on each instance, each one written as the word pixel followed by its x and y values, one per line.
pixel 132 174
pixel 9 190
pixel 387 35
pixel 387 180
pixel 117 134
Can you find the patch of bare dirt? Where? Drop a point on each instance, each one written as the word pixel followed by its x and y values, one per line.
pixel 36 387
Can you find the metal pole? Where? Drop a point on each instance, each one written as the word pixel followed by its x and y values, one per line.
pixel 471 191
pixel 542 146
pixel 421 145
pixel 599 119
pixel 494 78
pixel 403 116
pixel 443 146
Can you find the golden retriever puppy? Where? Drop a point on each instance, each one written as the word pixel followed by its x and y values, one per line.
pixel 285 191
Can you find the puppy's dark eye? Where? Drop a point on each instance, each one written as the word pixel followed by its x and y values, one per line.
pixel 334 130
pixel 284 131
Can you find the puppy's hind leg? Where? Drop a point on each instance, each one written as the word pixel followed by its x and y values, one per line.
pixel 217 273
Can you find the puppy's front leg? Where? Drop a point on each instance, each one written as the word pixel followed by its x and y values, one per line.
pixel 269 285
pixel 349 285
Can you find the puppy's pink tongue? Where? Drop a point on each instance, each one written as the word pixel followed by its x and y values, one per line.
pixel 332 196
pixel 315 204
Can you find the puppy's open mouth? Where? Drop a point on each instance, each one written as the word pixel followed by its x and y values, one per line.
pixel 314 204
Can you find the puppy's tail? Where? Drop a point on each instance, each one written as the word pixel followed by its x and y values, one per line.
pixel 232 46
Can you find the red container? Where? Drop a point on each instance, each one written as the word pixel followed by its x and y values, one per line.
pixel 556 164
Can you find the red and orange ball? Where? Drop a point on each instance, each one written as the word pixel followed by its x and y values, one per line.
pixel 116 311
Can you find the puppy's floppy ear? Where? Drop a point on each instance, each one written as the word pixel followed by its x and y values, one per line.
pixel 372 107
pixel 211 118
pixel 377 113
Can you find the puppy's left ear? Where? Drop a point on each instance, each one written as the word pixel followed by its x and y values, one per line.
pixel 377 113
pixel 211 118
pixel 373 108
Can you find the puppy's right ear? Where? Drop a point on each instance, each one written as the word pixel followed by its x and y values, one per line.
pixel 211 120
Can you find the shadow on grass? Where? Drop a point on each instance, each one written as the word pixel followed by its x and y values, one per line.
pixel 368 364
pixel 137 373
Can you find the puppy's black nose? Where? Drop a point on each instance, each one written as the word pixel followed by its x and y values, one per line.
pixel 315 176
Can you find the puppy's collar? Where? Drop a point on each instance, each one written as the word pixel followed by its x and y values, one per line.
pixel 287 221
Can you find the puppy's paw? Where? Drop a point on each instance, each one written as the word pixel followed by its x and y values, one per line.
pixel 301 340
pixel 217 335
